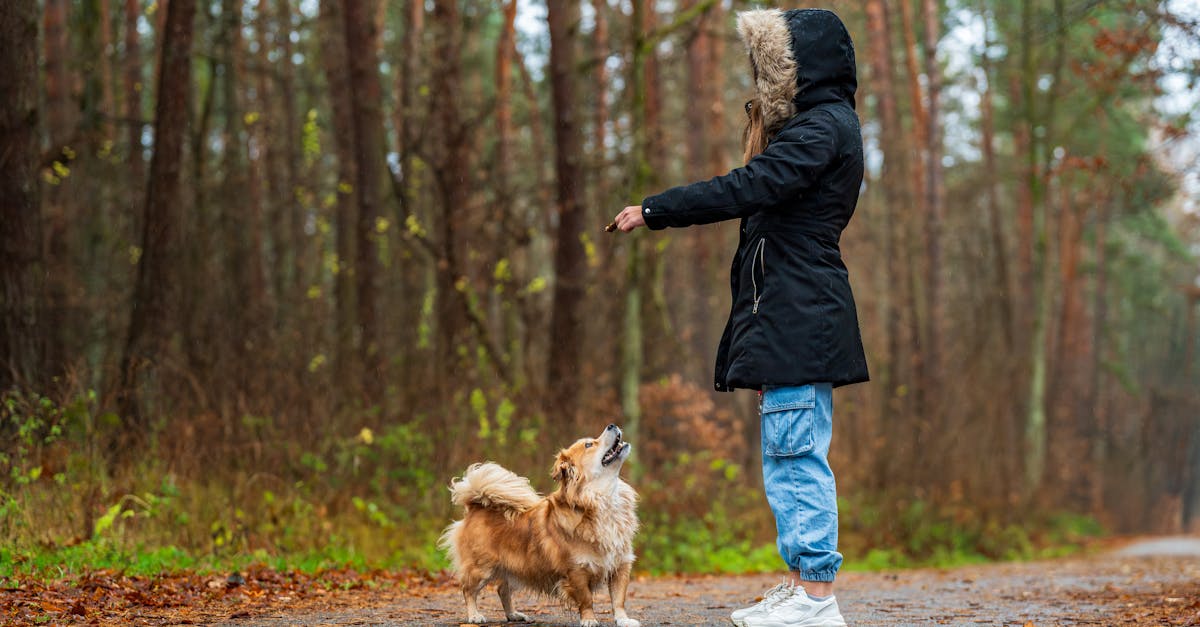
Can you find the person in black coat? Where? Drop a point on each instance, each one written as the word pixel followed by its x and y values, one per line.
pixel 793 330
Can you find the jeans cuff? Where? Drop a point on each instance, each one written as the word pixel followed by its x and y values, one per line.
pixel 825 576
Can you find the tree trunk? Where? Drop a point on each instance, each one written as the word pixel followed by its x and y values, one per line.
pixel 914 192
pixel 536 131
pixel 270 162
pixel 333 55
pixel 893 374
pixel 1070 415
pixel 366 111
pixel 243 213
pixel 566 328
pixel 60 120
pixel 1002 294
pixel 712 28
pixel 157 288
pixel 407 320
pixel 213 363
pixel 632 349
pixel 1036 427
pixel 917 101
pixel 504 218
pixel 693 313
pixel 21 334
pixel 453 175
pixel 61 130
pixel 600 47
pixel 652 94
pixel 108 107
pixel 133 101
pixel 405 118
pixel 285 193
pixel 504 123
pixel 934 194
pixel 1096 388
pixel 96 73
pixel 698 98
pixel 707 155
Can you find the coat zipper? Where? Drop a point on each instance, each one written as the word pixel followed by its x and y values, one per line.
pixel 760 257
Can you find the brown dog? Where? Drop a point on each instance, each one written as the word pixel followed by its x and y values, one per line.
pixel 566 545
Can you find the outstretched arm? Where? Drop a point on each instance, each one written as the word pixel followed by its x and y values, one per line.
pixel 791 163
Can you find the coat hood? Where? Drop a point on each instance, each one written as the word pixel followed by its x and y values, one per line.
pixel 801 58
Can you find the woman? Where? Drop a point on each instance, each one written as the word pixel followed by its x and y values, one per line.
pixel 793 330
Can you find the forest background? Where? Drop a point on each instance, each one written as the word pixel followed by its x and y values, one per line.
pixel 274 271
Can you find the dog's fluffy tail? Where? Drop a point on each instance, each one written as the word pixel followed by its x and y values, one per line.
pixel 491 485
pixel 486 485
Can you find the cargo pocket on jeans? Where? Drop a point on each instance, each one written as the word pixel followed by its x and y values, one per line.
pixel 787 421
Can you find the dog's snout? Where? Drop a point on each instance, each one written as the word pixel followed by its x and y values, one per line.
pixel 611 428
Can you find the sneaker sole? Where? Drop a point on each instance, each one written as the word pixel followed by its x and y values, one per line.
pixel 812 622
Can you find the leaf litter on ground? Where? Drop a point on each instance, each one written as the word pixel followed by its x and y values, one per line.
pixel 1134 593
pixel 111 597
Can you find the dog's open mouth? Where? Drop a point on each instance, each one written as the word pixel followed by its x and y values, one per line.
pixel 614 453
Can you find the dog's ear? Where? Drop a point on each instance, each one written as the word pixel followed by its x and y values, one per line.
pixel 564 469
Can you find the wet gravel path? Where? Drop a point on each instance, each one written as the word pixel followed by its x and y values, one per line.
pixel 1139 584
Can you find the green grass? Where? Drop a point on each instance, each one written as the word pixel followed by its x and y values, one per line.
pixel 68 562
pixel 665 546
pixel 654 557
pixel 367 501
pixel 919 536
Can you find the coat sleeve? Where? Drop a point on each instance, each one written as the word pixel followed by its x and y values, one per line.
pixel 791 163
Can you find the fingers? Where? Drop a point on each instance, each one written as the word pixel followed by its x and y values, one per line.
pixel 629 219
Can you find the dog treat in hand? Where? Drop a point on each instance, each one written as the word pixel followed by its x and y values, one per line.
pixel 612 226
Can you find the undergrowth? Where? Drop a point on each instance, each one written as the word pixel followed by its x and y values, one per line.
pixel 368 500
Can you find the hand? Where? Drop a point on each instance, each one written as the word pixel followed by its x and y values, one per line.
pixel 630 218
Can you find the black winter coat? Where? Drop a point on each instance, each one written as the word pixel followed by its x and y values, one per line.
pixel 793 318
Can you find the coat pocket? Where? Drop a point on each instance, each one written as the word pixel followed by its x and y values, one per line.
pixel 787 421
pixel 758 268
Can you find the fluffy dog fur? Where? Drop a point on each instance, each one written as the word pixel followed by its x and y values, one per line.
pixel 566 545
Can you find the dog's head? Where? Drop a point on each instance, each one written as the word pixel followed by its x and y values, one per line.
pixel 590 459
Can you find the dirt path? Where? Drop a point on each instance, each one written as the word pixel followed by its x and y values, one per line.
pixel 1154 582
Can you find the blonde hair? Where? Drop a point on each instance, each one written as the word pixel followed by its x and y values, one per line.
pixel 754 138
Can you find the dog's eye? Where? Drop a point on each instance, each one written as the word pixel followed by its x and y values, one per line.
pixel 588 445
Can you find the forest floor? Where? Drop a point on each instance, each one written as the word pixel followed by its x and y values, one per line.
pixel 1146 582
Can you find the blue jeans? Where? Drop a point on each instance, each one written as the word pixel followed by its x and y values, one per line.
pixel 797 425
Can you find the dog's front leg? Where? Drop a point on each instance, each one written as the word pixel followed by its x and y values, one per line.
pixel 579 589
pixel 505 590
pixel 616 589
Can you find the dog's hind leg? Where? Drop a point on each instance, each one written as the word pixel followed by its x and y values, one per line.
pixel 578 588
pixel 505 590
pixel 616 589
pixel 472 583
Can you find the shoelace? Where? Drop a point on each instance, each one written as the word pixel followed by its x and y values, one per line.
pixel 777 594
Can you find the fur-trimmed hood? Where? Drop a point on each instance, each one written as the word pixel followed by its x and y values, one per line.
pixel 800 58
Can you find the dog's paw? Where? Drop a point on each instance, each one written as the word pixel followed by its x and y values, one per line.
pixel 589 623
pixel 476 619
pixel 628 622
pixel 517 617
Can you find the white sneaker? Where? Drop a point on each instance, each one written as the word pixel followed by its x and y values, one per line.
pixel 797 610
pixel 770 597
